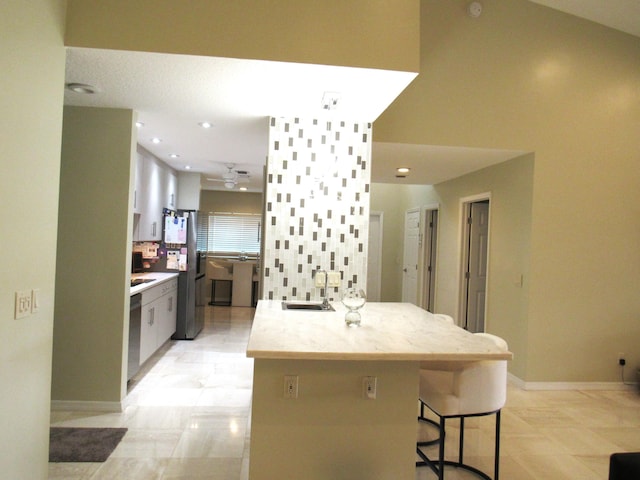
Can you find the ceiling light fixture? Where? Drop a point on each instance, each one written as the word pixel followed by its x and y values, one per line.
pixel 243 189
pixel 82 88
pixel 139 124
pixel 229 185
pixel 403 170
pixel 474 10
pixel 174 155
pixel 155 140
pixel 187 167
pixel 205 124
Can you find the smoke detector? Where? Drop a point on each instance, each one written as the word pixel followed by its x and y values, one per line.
pixel 474 9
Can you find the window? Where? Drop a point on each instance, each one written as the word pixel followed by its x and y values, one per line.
pixel 234 233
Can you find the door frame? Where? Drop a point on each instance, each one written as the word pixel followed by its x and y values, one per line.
pixel 463 253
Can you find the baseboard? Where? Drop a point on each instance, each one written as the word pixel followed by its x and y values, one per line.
pixel 81 406
pixel 512 379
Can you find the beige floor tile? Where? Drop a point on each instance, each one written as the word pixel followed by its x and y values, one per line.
pixel 188 414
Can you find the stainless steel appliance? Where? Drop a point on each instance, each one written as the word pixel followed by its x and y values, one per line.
pixel 135 317
pixel 190 318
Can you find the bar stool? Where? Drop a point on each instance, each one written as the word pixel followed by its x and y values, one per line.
pixel 459 391
pixel 421 416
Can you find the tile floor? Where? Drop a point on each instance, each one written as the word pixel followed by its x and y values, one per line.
pixel 188 416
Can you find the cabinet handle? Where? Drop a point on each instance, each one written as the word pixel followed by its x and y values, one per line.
pixel 172 200
pixel 135 199
pixel 153 229
pixel 152 312
pixel 170 307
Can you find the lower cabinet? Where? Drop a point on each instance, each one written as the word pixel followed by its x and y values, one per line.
pixel 158 320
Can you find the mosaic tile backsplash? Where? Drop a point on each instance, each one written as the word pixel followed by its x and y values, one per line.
pixel 317 206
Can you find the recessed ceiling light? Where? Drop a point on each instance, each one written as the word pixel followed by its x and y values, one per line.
pixel 243 189
pixel 82 88
pixel 403 170
pixel 174 155
pixel 155 140
pixel 139 124
pixel 187 167
pixel 205 124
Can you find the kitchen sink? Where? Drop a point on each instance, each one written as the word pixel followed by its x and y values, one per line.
pixel 314 307
pixel 139 281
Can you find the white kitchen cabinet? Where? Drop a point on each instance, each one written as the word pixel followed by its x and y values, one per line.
pixel 158 320
pixel 139 184
pixel 171 189
pixel 157 189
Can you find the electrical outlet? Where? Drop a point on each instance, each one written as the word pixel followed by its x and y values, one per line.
pixel 290 386
pixel 621 359
pixel 370 387
pixel 23 304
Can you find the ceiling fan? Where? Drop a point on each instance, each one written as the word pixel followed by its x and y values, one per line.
pixel 232 177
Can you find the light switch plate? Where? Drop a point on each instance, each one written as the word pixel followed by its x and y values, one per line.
pixel 23 304
pixel 320 277
pixel 334 279
pixel 35 300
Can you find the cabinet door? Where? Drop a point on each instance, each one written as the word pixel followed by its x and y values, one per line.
pixel 167 326
pixel 148 331
pixel 138 191
pixel 171 198
pixel 151 216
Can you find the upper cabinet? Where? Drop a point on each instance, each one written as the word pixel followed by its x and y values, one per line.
pixel 171 189
pixel 156 189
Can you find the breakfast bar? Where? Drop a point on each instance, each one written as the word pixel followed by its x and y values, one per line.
pixel 313 416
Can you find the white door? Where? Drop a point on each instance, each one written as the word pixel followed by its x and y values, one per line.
pixel 374 260
pixel 410 257
pixel 476 273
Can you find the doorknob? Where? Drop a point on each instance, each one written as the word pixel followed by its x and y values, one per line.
pixel 404 270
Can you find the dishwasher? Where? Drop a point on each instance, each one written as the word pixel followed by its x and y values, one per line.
pixel 135 319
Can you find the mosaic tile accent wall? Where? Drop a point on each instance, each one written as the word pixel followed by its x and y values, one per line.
pixel 317 206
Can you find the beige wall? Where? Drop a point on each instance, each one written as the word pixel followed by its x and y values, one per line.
pixel 526 77
pixel 393 201
pixel 510 187
pixel 234 202
pixel 32 56
pixel 94 256
pixel 332 32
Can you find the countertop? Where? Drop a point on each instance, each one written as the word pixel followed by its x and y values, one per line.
pixel 389 331
pixel 159 278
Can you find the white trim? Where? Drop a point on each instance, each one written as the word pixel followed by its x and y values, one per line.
pixel 533 386
pixel 81 406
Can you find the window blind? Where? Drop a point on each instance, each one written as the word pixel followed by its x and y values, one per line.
pixel 234 233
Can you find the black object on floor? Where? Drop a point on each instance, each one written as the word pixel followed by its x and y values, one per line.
pixel 83 444
pixel 624 466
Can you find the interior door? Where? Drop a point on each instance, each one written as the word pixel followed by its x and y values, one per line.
pixel 374 260
pixel 430 250
pixel 476 271
pixel 410 256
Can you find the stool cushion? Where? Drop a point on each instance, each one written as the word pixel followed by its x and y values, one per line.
pixel 466 388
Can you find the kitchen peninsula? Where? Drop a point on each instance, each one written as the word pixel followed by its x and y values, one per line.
pixel 332 429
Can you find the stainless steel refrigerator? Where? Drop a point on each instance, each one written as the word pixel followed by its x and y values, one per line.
pixel 191 276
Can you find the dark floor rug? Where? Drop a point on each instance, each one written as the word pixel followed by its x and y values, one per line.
pixel 83 444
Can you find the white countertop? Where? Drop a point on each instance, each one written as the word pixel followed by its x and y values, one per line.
pixel 389 331
pixel 159 278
